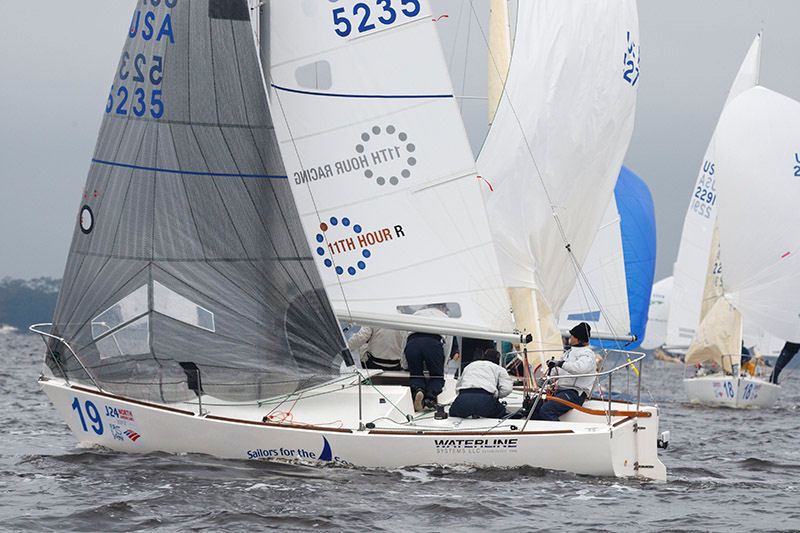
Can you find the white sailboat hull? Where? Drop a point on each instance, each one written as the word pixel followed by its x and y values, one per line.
pixel 739 392
pixel 580 443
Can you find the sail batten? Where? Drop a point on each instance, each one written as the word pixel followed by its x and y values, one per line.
pixel 188 172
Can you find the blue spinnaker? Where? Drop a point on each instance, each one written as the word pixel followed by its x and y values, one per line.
pixel 638 232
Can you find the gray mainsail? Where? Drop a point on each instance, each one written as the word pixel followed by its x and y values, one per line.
pixel 188 247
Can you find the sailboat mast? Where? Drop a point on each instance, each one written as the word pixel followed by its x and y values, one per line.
pixel 499 53
pixel 263 36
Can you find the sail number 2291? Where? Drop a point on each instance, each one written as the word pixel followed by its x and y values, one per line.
pixel 363 19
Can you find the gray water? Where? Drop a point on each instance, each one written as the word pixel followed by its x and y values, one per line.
pixel 727 471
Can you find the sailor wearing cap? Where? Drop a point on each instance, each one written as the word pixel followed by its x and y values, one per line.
pixel 579 359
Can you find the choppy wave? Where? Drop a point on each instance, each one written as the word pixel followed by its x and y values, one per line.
pixel 727 470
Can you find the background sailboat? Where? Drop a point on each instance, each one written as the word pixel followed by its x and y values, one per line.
pixel 719 336
pixel 759 281
pixel 657 315
pixel 691 287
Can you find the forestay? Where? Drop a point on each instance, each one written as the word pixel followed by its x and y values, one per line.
pixel 619 268
pixel 380 166
pixel 759 164
pixel 603 281
pixel 559 137
pixel 695 251
pixel 188 246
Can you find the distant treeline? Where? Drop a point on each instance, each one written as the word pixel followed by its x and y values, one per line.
pixel 26 302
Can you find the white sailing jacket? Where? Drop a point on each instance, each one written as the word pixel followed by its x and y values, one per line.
pixel 578 360
pixel 487 376
pixel 382 343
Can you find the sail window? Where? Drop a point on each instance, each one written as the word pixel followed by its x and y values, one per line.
pixel 453 308
pixel 315 75
pixel 129 340
pixel 129 308
pixel 170 303
pixel 228 10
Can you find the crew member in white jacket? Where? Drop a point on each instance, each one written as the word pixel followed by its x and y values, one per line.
pixel 579 359
pixel 480 388
pixel 380 348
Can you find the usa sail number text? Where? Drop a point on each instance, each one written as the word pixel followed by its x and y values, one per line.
pixel 705 195
pixel 138 72
pixel 148 70
pixel 363 18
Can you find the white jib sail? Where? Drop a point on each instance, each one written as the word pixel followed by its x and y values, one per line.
pixel 380 166
pixel 694 252
pixel 656 331
pixel 758 159
pixel 559 137
pixel 605 283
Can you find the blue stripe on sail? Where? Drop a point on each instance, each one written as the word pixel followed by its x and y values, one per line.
pixel 592 316
pixel 342 95
pixel 188 172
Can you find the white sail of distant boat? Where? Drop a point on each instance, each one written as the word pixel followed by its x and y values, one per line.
pixel 695 252
pixel 760 161
pixel 381 172
pixel 702 320
pixel 193 318
pixel 556 145
pixel 657 314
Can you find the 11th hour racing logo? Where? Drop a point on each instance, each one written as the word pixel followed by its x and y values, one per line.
pixel 346 246
pixel 384 156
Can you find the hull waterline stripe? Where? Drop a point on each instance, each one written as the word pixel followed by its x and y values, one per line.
pixel 187 172
pixel 343 95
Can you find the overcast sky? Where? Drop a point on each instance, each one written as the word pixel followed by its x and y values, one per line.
pixel 58 58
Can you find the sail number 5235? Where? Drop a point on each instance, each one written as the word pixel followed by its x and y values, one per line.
pixel 364 19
